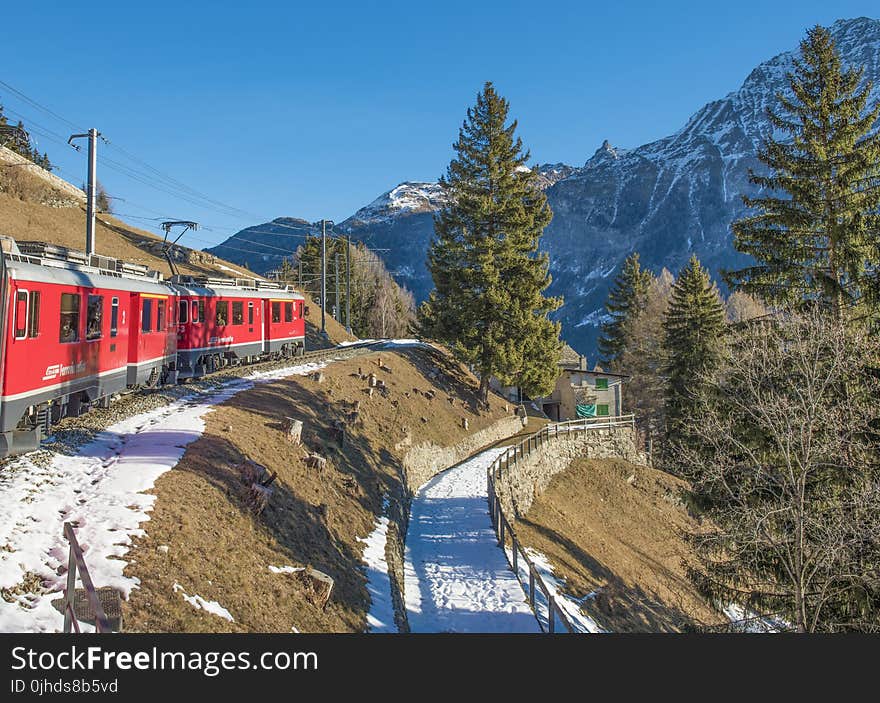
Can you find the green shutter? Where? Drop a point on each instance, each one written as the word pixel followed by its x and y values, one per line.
pixel 601 384
pixel 602 410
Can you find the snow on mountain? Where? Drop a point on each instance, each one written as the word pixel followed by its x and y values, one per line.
pixel 665 199
pixel 407 198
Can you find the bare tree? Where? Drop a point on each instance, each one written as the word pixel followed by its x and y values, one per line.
pixel 643 358
pixel 742 307
pixel 786 474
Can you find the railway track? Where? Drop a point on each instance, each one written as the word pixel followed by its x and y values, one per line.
pixel 72 432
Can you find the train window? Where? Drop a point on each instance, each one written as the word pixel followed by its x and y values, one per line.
pixel 201 307
pixel 160 315
pixel 147 315
pixel 94 316
pixel 222 316
pixel 276 312
pixel 184 309
pixel 288 312
pixel 114 317
pixel 237 313
pixel 34 315
pixel 70 305
pixel 250 312
pixel 21 311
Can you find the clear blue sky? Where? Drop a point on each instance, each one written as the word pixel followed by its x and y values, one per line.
pixel 313 109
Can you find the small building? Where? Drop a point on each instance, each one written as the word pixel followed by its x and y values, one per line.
pixel 579 392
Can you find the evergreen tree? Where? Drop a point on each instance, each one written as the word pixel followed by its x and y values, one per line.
pixel 489 278
pixel 813 236
pixel 693 326
pixel 624 301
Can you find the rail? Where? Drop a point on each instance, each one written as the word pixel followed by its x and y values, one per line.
pixel 77 563
pixel 517 557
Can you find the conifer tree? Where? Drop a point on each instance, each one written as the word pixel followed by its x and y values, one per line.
pixel 813 234
pixel 693 328
pixel 624 301
pixel 489 278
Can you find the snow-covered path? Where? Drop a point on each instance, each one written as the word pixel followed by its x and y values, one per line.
pixel 456 577
pixel 101 490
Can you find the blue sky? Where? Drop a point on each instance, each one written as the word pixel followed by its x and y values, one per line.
pixel 313 110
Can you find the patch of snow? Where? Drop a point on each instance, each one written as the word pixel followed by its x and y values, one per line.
pixel 571 606
pixel 101 490
pixel 381 615
pixel 286 569
pixel 456 577
pixel 209 606
pixel 408 197
pixel 745 620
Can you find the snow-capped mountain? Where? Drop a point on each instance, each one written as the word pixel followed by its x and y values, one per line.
pixel 665 199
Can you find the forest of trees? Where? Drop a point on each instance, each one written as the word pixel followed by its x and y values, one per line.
pixel 769 402
pixel 380 308
pixel 16 138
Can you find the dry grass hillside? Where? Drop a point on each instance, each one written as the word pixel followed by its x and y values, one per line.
pixel 31 208
pixel 214 545
pixel 610 526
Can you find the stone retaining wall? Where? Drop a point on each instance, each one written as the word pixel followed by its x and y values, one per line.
pixel 532 473
pixel 424 461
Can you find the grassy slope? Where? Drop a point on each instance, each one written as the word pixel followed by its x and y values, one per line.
pixel 24 216
pixel 220 550
pixel 600 530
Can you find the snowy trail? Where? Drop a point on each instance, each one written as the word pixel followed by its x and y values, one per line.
pixel 101 490
pixel 456 577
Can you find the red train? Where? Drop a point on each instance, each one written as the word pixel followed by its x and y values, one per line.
pixel 75 329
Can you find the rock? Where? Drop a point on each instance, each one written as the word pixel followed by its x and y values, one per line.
pixel 632 479
pixel 464 423
pixel 163 548
pixel 372 380
pixel 318 376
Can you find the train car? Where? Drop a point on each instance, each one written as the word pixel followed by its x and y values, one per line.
pixel 66 340
pixel 225 322
pixel 152 338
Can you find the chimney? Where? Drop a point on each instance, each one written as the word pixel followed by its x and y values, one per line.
pixel 582 363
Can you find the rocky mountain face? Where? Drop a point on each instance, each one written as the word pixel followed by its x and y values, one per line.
pixel 666 200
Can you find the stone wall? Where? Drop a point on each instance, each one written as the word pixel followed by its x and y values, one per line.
pixel 427 459
pixel 69 194
pixel 532 473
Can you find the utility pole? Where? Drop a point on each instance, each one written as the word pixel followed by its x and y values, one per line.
pixel 348 284
pixel 300 275
pixel 91 188
pixel 324 224
pixel 337 310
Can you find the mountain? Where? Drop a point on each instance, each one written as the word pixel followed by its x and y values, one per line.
pixel 665 199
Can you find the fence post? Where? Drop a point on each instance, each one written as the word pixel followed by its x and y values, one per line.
pixel 501 529
pixel 531 586
pixel 551 606
pixel 515 570
pixel 71 590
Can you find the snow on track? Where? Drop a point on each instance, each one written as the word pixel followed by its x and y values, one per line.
pixel 101 490
pixel 456 577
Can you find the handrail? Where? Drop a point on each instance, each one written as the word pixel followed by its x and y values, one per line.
pixel 501 524
pixel 76 562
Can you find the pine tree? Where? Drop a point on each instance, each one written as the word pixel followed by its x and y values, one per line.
pixel 813 236
pixel 624 301
pixel 489 278
pixel 693 327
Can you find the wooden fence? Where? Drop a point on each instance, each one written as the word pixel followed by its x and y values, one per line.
pixel 76 563
pixel 517 557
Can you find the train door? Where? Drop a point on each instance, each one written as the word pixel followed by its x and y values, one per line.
pixel 265 330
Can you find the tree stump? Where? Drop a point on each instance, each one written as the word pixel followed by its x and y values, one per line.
pixel 316 461
pixel 464 423
pixel 317 586
pixel 292 429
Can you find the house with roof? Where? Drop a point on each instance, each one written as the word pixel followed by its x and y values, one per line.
pixel 579 391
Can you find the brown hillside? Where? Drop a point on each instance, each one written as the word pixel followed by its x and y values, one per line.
pixel 218 548
pixel 609 525
pixel 32 208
